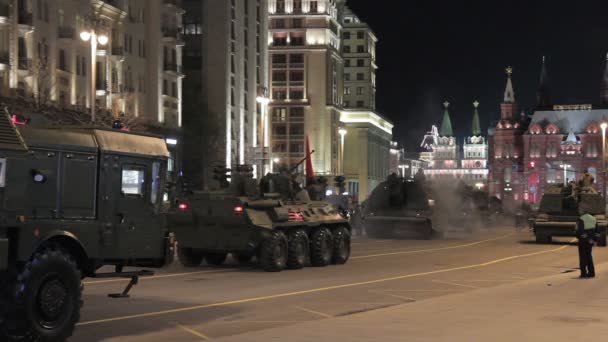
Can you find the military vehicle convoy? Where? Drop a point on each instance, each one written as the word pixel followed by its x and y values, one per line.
pixel 559 211
pixel 275 222
pixel 73 200
pixel 397 207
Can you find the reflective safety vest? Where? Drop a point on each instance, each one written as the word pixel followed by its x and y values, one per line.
pixel 589 221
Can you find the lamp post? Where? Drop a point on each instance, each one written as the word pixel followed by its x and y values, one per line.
pixel 565 167
pixel 264 100
pixel 604 125
pixel 342 131
pixel 95 34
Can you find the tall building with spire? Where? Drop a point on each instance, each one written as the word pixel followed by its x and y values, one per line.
pixel 506 176
pixel 448 160
pixel 559 144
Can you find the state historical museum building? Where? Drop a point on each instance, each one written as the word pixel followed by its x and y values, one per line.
pixel 557 142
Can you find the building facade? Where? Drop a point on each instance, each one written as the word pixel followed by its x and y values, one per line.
pixel 228 64
pixel 448 160
pixel 366 158
pixel 306 82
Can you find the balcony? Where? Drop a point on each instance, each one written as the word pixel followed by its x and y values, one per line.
pixel 172 35
pixel 65 32
pixel 173 68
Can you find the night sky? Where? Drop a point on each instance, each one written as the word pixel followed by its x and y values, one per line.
pixel 430 51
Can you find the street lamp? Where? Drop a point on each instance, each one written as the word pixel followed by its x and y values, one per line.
pixel 604 125
pixel 95 35
pixel 264 100
pixel 342 131
pixel 565 167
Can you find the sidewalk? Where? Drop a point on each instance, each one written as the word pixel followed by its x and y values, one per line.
pixel 554 308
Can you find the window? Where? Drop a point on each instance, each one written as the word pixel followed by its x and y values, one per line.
pixel 360 62
pixel 346 91
pixel 296 76
pixel 296 113
pixel 170 162
pixel 62 64
pixel 133 179
pixel 360 104
pixel 279 94
pixel 360 35
pixel 360 49
pixel 279 59
pixel 359 90
pixel 296 58
pixel 279 148
pixel 346 49
pixel 155 185
pixel 345 35
pixel 347 77
pixel 313 7
pixel 2 172
pixel 296 94
pixel 297 129
pixel 279 130
pixel 279 114
pixel 296 148
pixel 360 76
pixel 279 76
pixel 296 23
pixel 297 41
pixel 347 63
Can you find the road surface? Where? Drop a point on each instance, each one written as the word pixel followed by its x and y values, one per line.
pixel 194 304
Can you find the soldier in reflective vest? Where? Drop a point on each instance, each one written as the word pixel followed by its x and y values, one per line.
pixel 588 234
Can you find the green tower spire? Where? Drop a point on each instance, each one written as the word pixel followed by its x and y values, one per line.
pixel 446 124
pixel 475 126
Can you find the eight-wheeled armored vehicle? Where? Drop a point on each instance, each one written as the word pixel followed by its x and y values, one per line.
pixel 559 211
pixel 275 222
pixel 398 207
pixel 73 200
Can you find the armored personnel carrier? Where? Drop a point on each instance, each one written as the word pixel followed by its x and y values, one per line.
pixel 559 211
pixel 397 207
pixel 73 200
pixel 275 222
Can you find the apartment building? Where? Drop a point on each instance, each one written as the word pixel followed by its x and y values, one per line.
pixel 306 82
pixel 229 57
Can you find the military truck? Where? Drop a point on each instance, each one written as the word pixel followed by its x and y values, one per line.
pixel 398 207
pixel 274 222
pixel 71 201
pixel 559 211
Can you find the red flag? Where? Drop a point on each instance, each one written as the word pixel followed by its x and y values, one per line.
pixel 310 173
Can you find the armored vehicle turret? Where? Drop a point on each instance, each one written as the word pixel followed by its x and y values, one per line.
pixel 398 207
pixel 73 200
pixel 560 207
pixel 276 222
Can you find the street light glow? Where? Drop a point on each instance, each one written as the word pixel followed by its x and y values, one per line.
pixel 276 160
pixel 342 131
pixel 603 126
pixel 102 39
pixel 85 35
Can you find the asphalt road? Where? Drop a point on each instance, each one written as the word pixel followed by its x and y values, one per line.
pixel 194 304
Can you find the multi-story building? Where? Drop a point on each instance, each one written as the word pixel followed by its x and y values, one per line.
pixel 228 64
pixel 306 86
pixel 130 67
pixel 447 161
pixel 366 159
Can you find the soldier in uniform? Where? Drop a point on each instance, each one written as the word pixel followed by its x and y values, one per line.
pixel 588 235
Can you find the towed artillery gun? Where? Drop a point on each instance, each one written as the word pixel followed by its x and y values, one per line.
pixel 275 222
pixel 71 201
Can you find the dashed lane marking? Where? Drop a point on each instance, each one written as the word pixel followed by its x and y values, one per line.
pixel 431 249
pixel 193 332
pixel 317 290
pixel 324 315
pixel 454 284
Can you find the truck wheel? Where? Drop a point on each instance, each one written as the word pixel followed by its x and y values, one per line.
pixel 273 252
pixel 602 241
pixel 341 250
pixel 297 251
pixel 48 298
pixel 189 257
pixel 321 248
pixel 215 259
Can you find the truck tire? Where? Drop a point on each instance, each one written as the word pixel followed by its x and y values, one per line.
pixel 297 251
pixel 47 298
pixel 189 257
pixel 602 241
pixel 321 247
pixel 341 250
pixel 215 259
pixel 273 252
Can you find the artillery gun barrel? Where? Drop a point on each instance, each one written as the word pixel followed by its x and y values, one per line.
pixel 301 161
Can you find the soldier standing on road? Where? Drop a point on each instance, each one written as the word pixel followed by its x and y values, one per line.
pixel 588 235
